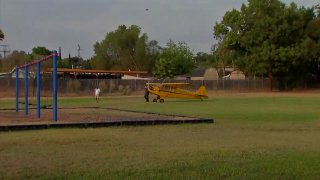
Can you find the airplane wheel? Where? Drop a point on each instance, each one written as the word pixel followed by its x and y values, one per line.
pixel 155 100
pixel 162 100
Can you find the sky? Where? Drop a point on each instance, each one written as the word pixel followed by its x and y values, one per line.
pixel 67 23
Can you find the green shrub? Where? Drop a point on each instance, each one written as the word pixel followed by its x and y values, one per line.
pixel 112 86
pixel 120 89
pixel 127 90
pixel 103 86
pixel 124 90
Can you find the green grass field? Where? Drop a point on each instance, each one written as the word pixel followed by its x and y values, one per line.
pixel 255 136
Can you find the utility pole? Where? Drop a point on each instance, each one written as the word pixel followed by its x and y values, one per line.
pixel 79 49
pixel 4 50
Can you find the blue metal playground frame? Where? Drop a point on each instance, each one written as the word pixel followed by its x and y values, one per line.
pixel 54 57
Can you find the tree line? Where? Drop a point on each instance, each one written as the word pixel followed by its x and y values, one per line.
pixel 262 38
pixel 271 39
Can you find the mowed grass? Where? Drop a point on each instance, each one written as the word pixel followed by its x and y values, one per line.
pixel 255 136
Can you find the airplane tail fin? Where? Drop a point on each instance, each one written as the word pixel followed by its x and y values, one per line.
pixel 202 92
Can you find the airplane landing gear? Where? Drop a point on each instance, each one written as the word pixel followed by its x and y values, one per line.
pixel 158 98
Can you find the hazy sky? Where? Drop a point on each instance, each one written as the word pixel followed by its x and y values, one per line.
pixel 67 23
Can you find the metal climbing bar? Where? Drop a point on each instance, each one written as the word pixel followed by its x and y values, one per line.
pixel 55 87
pixel 54 58
pixel 38 89
pixel 26 90
pixel 37 61
pixel 17 89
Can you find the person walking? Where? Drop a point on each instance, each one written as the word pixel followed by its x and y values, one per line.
pixel 97 94
pixel 146 93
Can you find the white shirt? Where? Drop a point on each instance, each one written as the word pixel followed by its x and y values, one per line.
pixel 96 91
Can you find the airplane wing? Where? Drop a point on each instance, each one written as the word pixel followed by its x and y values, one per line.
pixel 176 85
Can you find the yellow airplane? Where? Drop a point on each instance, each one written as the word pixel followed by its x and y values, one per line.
pixel 175 90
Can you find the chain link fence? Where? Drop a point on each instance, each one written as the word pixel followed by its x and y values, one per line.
pixel 120 86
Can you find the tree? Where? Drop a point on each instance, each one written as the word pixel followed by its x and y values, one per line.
pixel 317 8
pixel 222 57
pixel 1 35
pixel 40 50
pixel 175 59
pixel 86 64
pixel 153 53
pixel 124 48
pixel 204 59
pixel 264 37
pixel 15 58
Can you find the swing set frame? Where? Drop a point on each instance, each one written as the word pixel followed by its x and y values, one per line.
pixel 54 57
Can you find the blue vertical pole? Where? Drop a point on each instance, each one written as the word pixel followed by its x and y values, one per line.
pixel 17 89
pixel 26 90
pixel 38 90
pixel 55 87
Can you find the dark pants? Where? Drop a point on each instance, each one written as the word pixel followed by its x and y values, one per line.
pixel 146 96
